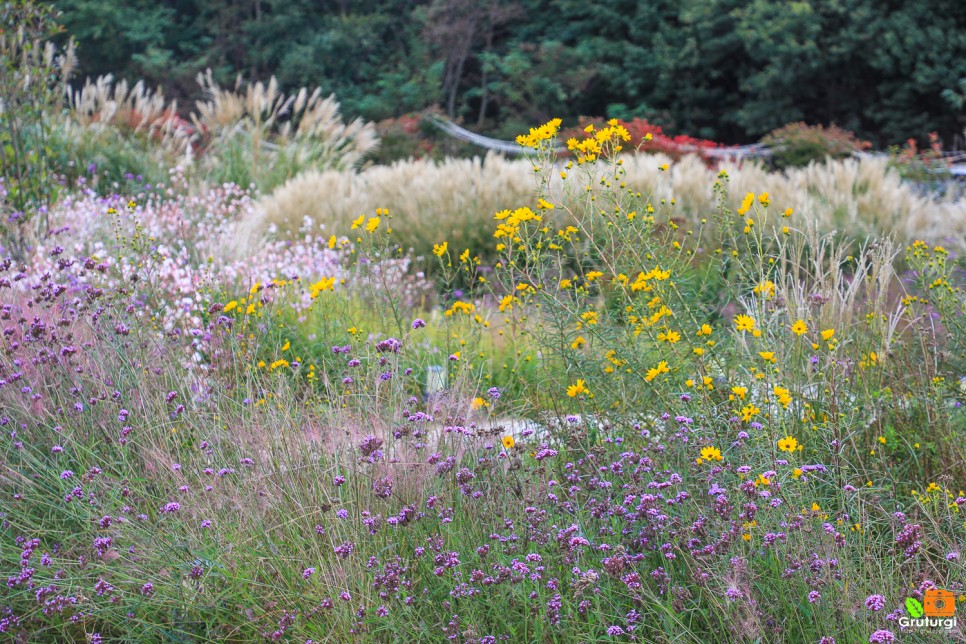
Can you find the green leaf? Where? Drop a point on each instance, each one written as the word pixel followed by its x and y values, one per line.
pixel 914 608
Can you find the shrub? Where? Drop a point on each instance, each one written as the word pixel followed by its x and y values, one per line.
pixel 34 75
pixel 796 145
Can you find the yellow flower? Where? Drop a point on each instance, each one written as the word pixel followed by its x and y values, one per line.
pixel 656 371
pixel 704 330
pixel 711 454
pixel 744 322
pixel 788 444
pixel 324 284
pixel 663 167
pixel 882 439
pixel 766 288
pixel 538 135
pixel 748 412
pixel 231 306
pixel 827 334
pixel 461 307
pixel 797 472
pixel 565 283
pixel 506 304
pixel 592 275
pixel 358 221
pixel 788 212
pixel 783 395
pixel 589 317
pixel 768 356
pixel 440 249
pixel 579 342
pixel 543 204
pixel 764 198
pixel 373 224
pixel 746 204
pixel 508 442
pixel 478 403
pixel 286 346
pixel 740 392
pixel 575 390
pixel 670 337
pixel 799 328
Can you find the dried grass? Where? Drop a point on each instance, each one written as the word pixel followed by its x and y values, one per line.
pixel 455 200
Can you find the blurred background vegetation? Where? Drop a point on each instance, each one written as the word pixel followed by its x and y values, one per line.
pixel 727 70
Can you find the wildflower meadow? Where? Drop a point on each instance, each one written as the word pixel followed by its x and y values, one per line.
pixel 591 395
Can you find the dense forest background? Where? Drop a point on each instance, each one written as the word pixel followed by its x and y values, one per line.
pixel 725 70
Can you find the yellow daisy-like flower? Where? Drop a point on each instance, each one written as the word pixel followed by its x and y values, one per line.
pixel 670 337
pixel 827 334
pixel 440 249
pixel 788 444
pixel 748 412
pixel 800 328
pixel 576 389
pixel 711 454
pixel 508 442
pixel 768 356
pixel 744 322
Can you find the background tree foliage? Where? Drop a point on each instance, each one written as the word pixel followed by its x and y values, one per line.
pixel 730 70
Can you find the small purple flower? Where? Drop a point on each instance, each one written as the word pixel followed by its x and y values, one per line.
pixel 308 572
pixel 881 636
pixel 171 507
pixel 419 323
pixel 494 392
pixel 814 596
pixel 875 603
pixel 338 481
pixel 66 474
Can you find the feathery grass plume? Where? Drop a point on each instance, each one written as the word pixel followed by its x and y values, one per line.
pixel 454 200
pixel 113 132
pixel 256 134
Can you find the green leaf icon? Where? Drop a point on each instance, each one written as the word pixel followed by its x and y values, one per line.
pixel 914 608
